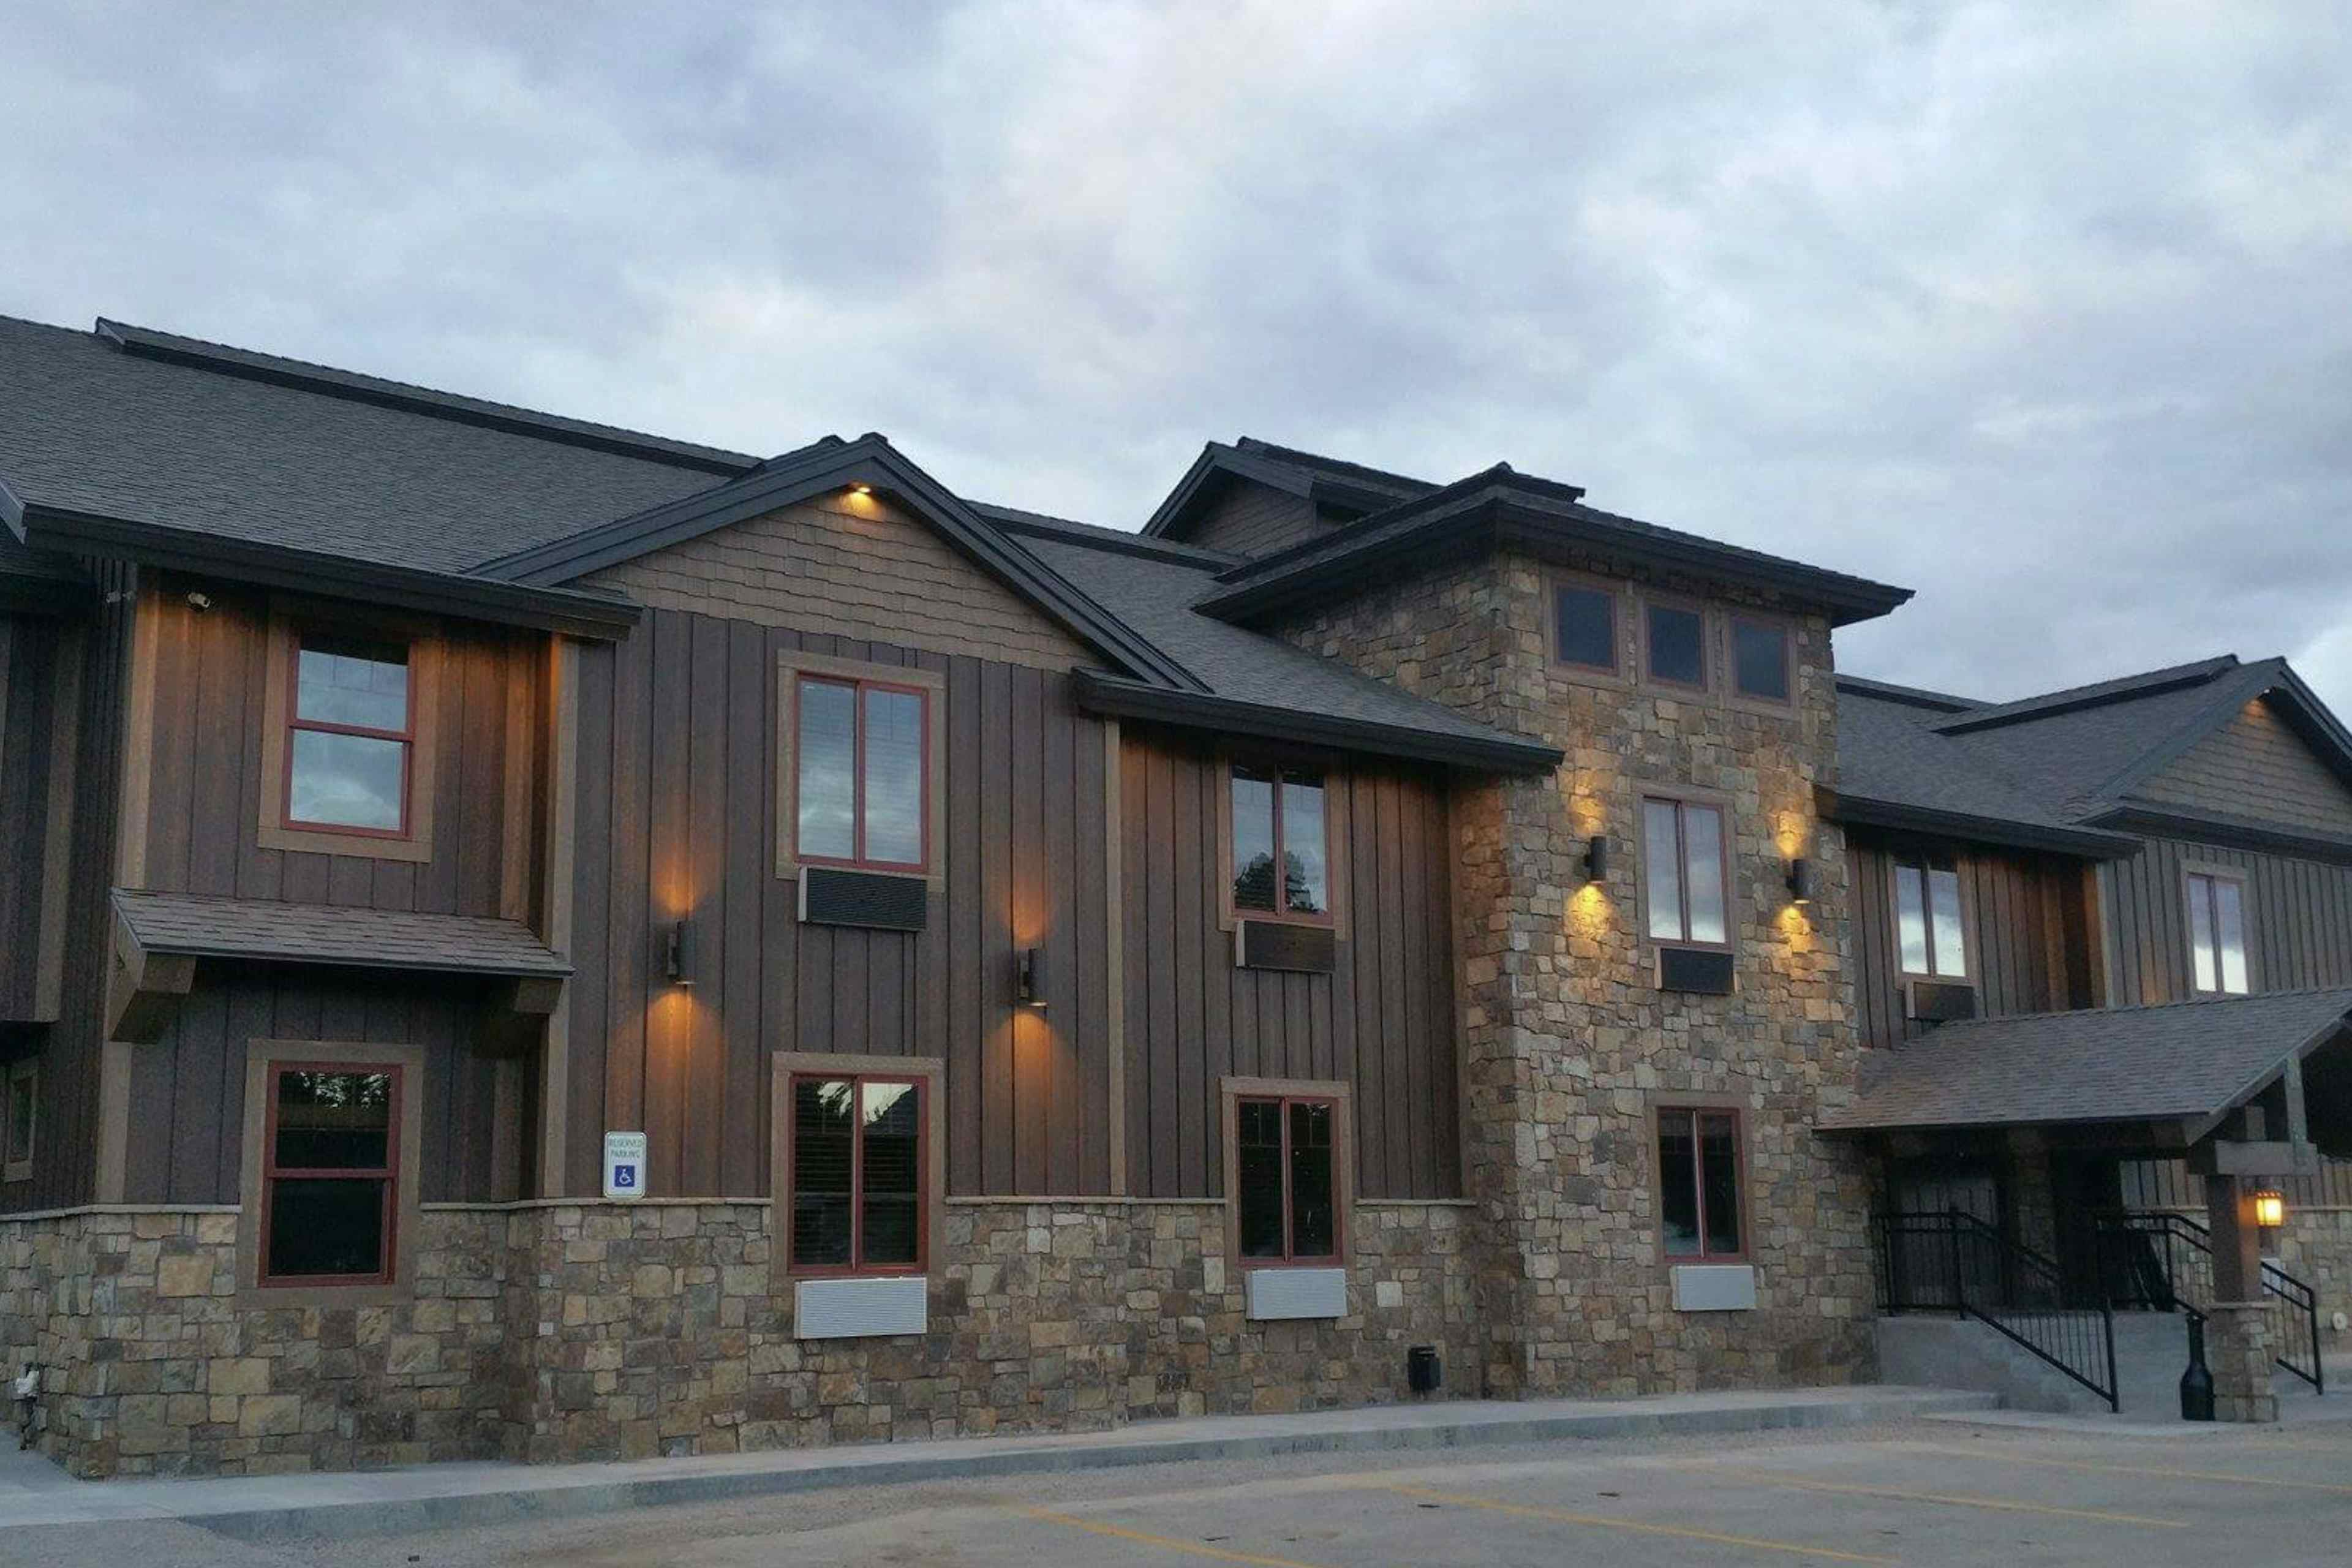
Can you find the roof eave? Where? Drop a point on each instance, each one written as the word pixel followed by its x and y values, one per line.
pixel 2167 821
pixel 1865 811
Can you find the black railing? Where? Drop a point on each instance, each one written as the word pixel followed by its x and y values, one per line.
pixel 1955 1262
pixel 2162 1261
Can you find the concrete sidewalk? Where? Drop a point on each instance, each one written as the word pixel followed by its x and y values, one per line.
pixel 433 1497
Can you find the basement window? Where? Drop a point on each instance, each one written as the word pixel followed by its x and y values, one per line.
pixel 1698 1184
pixel 1287 1178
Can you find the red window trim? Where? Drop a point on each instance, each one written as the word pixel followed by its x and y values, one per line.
pixel 1698 1182
pixel 2213 895
pixel 1612 599
pixel 406 736
pixel 272 1172
pixel 1923 865
pixel 1787 636
pixel 858 860
pixel 1282 909
pixel 858 1266
pixel 1291 1258
pixel 1706 682
pixel 1682 871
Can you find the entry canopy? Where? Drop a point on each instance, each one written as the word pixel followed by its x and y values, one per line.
pixel 2188 1063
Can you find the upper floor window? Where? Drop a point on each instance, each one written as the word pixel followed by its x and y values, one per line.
pixel 1674 641
pixel 863 754
pixel 1281 853
pixel 859 1174
pixel 1685 870
pixel 2216 933
pixel 1698 1183
pixel 1584 626
pixel 1761 666
pixel 1927 920
pixel 1286 1182
pixel 330 1173
pixel 352 733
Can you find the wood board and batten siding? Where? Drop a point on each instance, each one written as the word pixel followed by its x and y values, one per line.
pixel 40 695
pixel 2298 919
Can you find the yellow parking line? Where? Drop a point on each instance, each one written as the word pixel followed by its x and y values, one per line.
pixel 2006 1505
pixel 1097 1527
pixel 1605 1523
pixel 2161 1472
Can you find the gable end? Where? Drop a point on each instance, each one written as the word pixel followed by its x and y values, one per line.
pixel 2256 766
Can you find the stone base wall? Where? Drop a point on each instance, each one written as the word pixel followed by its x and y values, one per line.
pixel 2315 1246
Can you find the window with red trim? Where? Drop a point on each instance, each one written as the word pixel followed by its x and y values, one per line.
pixel 858 1153
pixel 863 752
pixel 1698 1183
pixel 352 736
pixel 1685 872
pixel 1286 1200
pixel 329 1174
pixel 1282 858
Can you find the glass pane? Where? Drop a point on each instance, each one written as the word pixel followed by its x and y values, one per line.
pixel 826 746
pixel 1662 866
pixel 2200 934
pixel 1678 1184
pixel 1702 839
pixel 894 777
pixel 346 780
pixel 1677 646
pixel 1951 937
pixel 340 681
pixel 325 1226
pixel 1588 628
pixel 891 1166
pixel 335 1122
pixel 1305 874
pixel 2230 935
pixel 1911 917
pixel 821 1149
pixel 1719 1182
pixel 1259 1204
pixel 1314 1232
pixel 1252 837
pixel 19 1140
pixel 1759 660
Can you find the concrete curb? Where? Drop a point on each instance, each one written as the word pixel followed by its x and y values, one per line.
pixel 391 1516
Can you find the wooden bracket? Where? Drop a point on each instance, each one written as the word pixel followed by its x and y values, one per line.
pixel 513 1013
pixel 143 989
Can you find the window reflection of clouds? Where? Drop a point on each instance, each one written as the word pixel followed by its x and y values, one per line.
pixel 828 769
pixel 339 681
pixel 346 780
pixel 894 776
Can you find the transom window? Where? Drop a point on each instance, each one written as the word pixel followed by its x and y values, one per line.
pixel 863 752
pixel 1676 643
pixel 1286 1197
pixel 353 732
pixel 330 1157
pixel 1698 1182
pixel 1928 922
pixel 1759 658
pixel 2216 934
pixel 857 1172
pixel 1683 872
pixel 1584 621
pixel 1282 863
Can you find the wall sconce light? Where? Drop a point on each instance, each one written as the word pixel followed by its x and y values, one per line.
pixel 861 489
pixel 1596 857
pixel 677 956
pixel 2270 1209
pixel 1801 880
pixel 1029 977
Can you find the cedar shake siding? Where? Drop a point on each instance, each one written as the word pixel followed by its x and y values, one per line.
pixel 1247 519
pixel 2256 766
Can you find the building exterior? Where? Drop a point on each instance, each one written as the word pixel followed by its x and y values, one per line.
pixel 1040 975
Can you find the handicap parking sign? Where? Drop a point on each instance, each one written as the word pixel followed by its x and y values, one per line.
pixel 624 1164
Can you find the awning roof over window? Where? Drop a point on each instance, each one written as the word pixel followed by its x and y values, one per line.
pixel 187 923
pixel 2186 1060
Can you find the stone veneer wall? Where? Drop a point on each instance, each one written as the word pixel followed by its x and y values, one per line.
pixel 561 1332
pixel 1569 1046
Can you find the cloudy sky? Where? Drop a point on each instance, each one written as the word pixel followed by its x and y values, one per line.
pixel 2045 310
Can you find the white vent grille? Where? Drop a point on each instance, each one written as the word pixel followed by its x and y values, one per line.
pixel 1715 1288
pixel 860 1309
pixel 1298 1293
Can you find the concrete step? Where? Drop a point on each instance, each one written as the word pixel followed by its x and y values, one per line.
pixel 2151 1352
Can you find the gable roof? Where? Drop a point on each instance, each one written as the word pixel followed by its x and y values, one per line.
pixel 1330 482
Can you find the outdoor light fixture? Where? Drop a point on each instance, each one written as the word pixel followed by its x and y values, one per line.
pixel 2270 1209
pixel 861 489
pixel 1801 880
pixel 1596 857
pixel 677 957
pixel 1029 977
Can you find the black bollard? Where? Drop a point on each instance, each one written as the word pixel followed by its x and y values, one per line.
pixel 2197 1382
pixel 1423 1370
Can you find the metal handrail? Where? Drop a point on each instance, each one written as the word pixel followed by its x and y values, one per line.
pixel 2156 1278
pixel 2022 1297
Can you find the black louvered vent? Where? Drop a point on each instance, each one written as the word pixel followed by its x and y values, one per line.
pixel 1693 969
pixel 836 898
pixel 1276 945
pixel 1939 1002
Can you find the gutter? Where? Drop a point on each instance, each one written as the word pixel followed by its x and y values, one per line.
pixel 1861 811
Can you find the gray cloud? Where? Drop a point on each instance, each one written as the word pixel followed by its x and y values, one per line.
pixel 2042 311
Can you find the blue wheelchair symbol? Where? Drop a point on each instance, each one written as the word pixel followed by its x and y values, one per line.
pixel 625 1176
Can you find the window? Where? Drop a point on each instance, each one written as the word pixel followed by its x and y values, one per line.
pixel 1684 872
pixel 863 752
pixel 859 1152
pixel 1278 822
pixel 1285 1192
pixel 330 1173
pixel 1584 626
pixel 1698 1183
pixel 351 734
pixel 1928 923
pixel 1675 639
pixel 1759 658
pixel 2216 933
pixel 19 1119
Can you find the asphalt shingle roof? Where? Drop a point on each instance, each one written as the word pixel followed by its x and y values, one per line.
pixel 2190 1059
pixel 325 933
pixel 1887 752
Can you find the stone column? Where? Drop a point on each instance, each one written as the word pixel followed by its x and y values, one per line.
pixel 2238 1350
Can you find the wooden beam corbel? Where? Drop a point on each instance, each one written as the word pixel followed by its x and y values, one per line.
pixel 143 989
pixel 513 1013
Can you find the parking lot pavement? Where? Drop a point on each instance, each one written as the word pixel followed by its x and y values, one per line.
pixel 1919 1493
